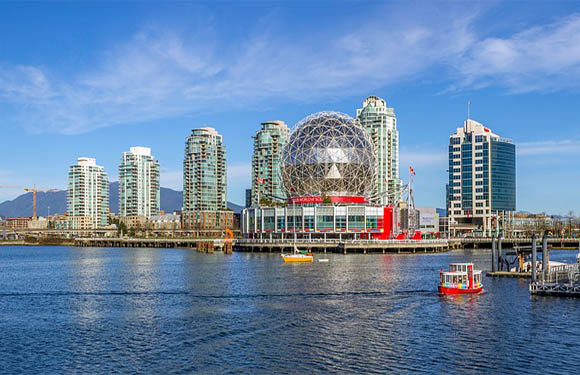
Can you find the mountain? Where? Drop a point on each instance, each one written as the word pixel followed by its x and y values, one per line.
pixel 171 200
pixel 235 207
pixel 55 202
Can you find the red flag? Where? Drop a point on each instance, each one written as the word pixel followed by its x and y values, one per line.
pixel 486 130
pixel 412 171
pixel 260 180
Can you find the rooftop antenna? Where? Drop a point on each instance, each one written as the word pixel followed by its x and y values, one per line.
pixel 468 109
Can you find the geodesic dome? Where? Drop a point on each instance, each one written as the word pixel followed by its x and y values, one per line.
pixel 328 154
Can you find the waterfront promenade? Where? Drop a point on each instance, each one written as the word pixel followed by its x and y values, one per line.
pixel 344 246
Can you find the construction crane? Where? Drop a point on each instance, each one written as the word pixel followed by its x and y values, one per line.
pixel 34 190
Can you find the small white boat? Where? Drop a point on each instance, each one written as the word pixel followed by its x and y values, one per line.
pixel 323 260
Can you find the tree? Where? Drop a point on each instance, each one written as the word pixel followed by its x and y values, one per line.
pixel 265 201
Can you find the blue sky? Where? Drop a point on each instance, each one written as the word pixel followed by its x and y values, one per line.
pixel 94 78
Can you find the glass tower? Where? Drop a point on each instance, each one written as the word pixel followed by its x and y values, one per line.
pixel 481 193
pixel 380 123
pixel 88 192
pixel 266 177
pixel 139 188
pixel 204 171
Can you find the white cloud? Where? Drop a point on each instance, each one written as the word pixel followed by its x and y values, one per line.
pixel 422 158
pixel 548 147
pixel 541 58
pixel 157 73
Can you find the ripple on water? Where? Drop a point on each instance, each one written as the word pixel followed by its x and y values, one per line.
pixel 174 311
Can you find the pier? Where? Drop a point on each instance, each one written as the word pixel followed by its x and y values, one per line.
pixel 347 246
pixel 199 244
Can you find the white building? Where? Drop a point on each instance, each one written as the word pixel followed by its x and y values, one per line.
pixel 381 124
pixel 139 188
pixel 428 219
pixel 88 191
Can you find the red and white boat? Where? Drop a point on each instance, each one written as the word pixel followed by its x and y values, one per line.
pixel 460 279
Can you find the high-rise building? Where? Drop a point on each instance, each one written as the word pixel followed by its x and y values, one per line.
pixel 248 197
pixel 481 195
pixel 88 192
pixel 266 177
pixel 380 123
pixel 204 181
pixel 139 188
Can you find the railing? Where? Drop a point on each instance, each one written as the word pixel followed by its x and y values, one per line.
pixel 291 241
pixel 518 239
pixel 561 274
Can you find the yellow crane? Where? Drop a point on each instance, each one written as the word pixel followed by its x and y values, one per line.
pixel 34 190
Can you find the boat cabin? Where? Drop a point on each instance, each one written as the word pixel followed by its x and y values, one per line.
pixel 461 276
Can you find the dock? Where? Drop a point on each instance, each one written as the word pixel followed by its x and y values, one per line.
pixel 205 245
pixel 347 246
pixel 522 275
pixel 558 281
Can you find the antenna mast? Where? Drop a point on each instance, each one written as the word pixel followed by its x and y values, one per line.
pixel 468 109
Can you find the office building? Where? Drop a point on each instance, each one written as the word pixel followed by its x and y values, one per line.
pixel 139 188
pixel 381 124
pixel 248 198
pixel 266 178
pixel 481 193
pixel 88 192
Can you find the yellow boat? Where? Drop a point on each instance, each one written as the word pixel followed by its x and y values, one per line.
pixel 297 257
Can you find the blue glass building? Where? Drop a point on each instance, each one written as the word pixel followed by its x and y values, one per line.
pixel 481 192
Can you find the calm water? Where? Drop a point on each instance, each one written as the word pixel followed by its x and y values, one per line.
pixel 84 310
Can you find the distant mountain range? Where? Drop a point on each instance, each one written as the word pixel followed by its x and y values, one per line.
pixel 49 203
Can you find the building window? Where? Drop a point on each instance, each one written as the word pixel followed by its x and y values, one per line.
pixel 457 212
pixel 479 182
pixel 479 161
pixel 479 212
pixel 479 138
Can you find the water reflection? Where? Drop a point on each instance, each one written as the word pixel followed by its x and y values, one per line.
pixel 88 280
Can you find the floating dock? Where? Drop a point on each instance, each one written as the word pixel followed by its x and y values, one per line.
pixel 558 281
